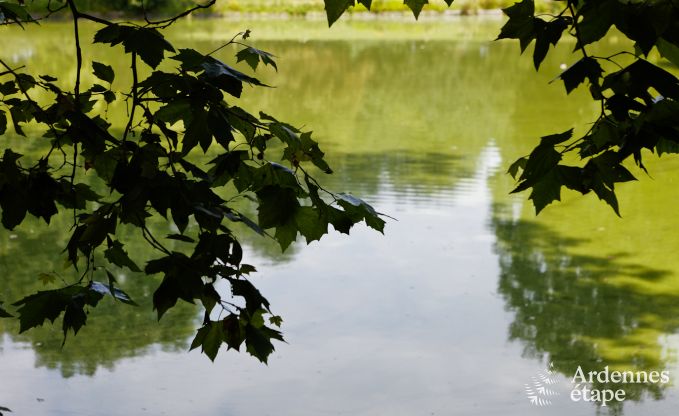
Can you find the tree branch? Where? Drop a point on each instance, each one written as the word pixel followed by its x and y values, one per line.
pixel 135 96
pixel 162 24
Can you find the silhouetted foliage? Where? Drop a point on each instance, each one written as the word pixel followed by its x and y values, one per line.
pixel 180 103
pixel 152 167
pixel 638 99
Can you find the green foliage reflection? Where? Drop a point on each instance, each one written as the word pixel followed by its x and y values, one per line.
pixel 578 309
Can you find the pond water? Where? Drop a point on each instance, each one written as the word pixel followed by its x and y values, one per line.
pixel 463 303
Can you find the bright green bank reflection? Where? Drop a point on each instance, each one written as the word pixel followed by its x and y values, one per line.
pixel 406 113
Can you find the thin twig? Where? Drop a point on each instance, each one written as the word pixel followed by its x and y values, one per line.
pixel 11 71
pixel 162 24
pixel 231 42
pixel 78 50
pixel 135 96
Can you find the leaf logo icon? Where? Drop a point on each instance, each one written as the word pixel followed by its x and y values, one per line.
pixel 538 391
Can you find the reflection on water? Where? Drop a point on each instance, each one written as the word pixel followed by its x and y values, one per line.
pixel 568 311
pixel 466 297
pixel 114 331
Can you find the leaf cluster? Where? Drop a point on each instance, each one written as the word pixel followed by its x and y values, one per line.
pixel 181 114
pixel 639 100
pixel 334 9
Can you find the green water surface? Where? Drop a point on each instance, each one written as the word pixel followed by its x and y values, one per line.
pixel 466 297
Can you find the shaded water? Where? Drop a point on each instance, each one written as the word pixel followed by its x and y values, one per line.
pixel 465 299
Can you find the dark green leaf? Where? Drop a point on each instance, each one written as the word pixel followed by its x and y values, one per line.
pixel 669 50
pixel 554 139
pixel 360 210
pixel 540 162
pixel 252 57
pixel 335 8
pixel 258 341
pixel 247 269
pixel 26 82
pixel 165 296
pixel 218 123
pixel 597 19
pixel 210 338
pixel 609 169
pixel 311 223
pixel 190 59
pixel 242 121
pixel 174 111
pixel 254 300
pixel 103 72
pixel 74 318
pixel 200 337
pixel 520 24
pixel 148 43
pixel 636 79
pixel 197 132
pixel 286 234
pixel 607 195
pixel 573 178
pixel 118 256
pixel 8 88
pixel 234 333
pixel 546 190
pixel 416 6
pixel 585 68
pixel 520 163
pixel 225 77
pixel 109 96
pixel 14 12
pixel 604 134
pixel 666 146
pixel 48 305
pixel 277 206
pixel 14 204
pixel 546 33
pixel 3 122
